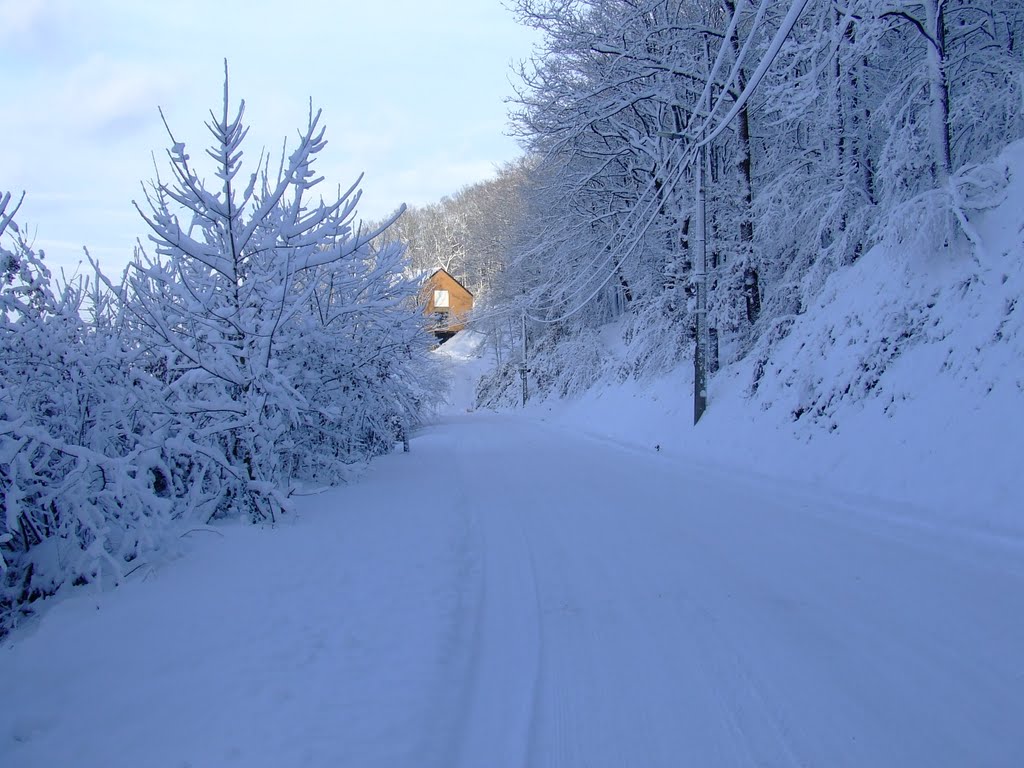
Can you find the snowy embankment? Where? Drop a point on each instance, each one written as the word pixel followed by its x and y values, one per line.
pixel 905 381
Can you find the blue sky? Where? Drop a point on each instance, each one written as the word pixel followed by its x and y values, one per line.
pixel 413 95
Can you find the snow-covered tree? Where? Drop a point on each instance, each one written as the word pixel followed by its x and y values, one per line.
pixel 261 340
pixel 468 233
pixel 865 123
pixel 285 344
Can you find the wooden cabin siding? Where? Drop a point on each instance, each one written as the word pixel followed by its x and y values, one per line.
pixel 451 319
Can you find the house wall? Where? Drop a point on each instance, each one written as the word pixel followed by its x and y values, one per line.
pixel 460 301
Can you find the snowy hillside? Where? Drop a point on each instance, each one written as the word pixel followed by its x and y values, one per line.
pixel 904 380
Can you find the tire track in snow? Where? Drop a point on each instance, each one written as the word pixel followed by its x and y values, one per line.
pixel 747 707
pixel 651 669
pixel 684 622
pixel 500 688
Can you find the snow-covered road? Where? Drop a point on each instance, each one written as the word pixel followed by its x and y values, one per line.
pixel 637 613
pixel 512 594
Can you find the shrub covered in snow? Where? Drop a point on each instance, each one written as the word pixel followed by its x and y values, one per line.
pixel 261 341
pixel 77 474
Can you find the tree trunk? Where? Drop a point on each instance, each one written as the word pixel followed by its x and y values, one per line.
pixel 744 165
pixel 938 90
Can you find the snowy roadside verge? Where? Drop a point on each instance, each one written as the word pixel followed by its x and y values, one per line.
pixel 262 647
pixel 903 384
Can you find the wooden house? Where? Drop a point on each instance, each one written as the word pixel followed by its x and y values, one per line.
pixel 446 302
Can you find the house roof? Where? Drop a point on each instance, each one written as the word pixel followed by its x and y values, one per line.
pixel 442 269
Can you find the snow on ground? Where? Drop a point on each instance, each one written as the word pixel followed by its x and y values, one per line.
pixel 904 382
pixel 469 359
pixel 513 593
pixel 330 641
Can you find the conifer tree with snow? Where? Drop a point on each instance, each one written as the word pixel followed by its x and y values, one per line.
pixel 287 346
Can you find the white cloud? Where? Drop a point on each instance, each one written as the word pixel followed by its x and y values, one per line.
pixel 36 27
pixel 108 99
pixel 424 181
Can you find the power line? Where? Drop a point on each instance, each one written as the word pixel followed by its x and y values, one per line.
pixel 619 257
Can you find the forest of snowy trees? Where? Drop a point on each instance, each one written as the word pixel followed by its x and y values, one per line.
pixel 470 233
pixel 828 127
pixel 259 342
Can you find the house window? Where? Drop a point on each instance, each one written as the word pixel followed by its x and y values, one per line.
pixel 441 299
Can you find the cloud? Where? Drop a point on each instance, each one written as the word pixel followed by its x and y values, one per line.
pixel 35 25
pixel 412 95
pixel 107 100
pixel 442 176
pixel 22 18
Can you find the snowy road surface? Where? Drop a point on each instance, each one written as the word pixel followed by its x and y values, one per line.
pixel 510 594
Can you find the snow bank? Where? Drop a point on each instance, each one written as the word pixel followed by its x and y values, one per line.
pixel 905 380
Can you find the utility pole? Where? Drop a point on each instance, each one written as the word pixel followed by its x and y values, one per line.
pixel 700 357
pixel 700 254
pixel 525 368
pixel 700 352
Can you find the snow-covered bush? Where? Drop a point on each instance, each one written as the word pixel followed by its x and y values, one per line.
pixel 906 321
pixel 77 497
pixel 261 341
pixel 566 361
